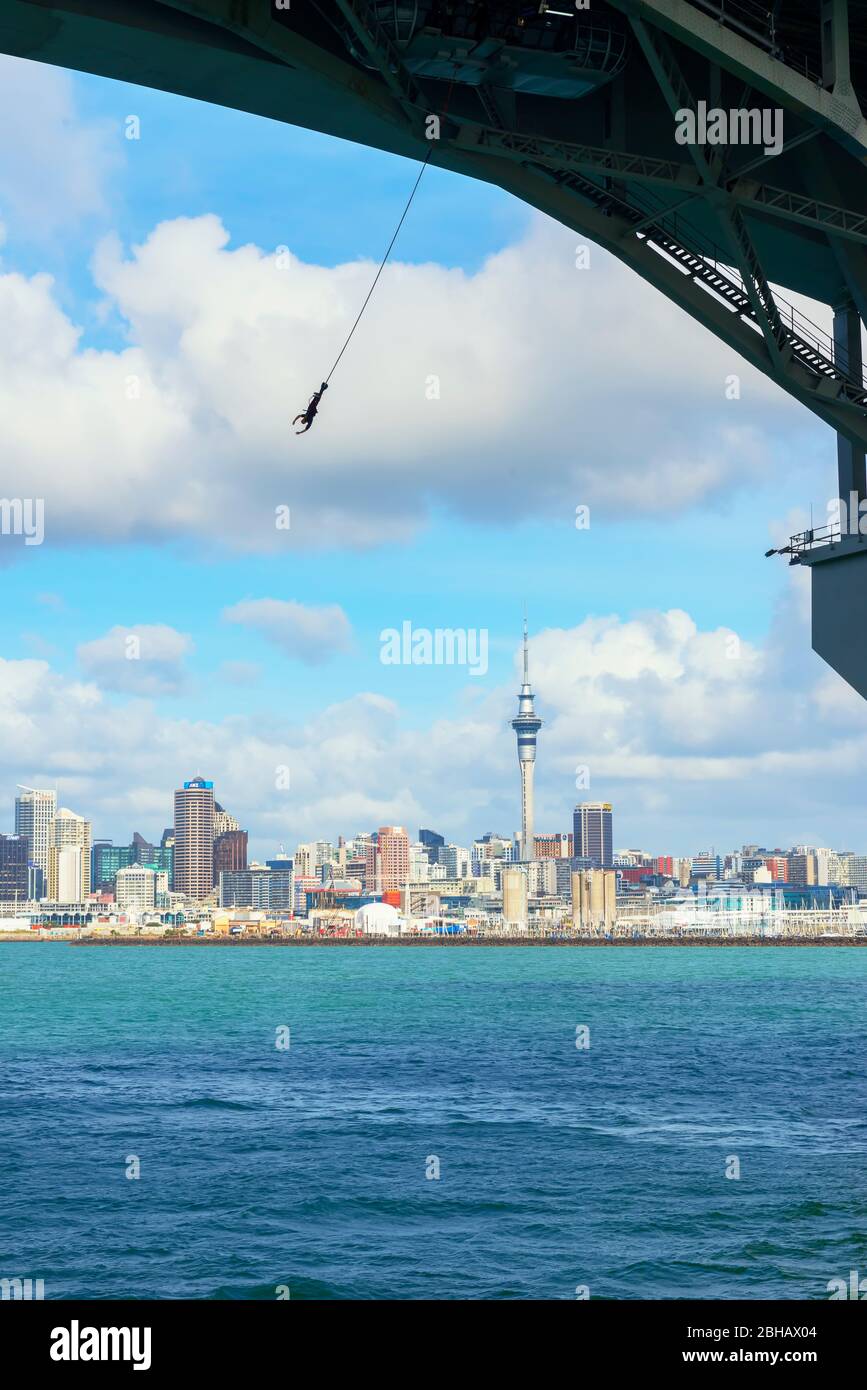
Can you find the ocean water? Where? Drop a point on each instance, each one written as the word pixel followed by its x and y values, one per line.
pixel 306 1167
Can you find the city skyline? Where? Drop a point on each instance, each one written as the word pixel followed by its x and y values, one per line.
pixel 36 807
pixel 205 840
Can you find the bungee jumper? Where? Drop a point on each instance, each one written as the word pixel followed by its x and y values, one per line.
pixel 309 415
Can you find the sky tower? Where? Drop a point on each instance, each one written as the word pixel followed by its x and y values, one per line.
pixel 526 725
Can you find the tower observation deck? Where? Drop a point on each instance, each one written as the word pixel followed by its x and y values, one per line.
pixel 716 147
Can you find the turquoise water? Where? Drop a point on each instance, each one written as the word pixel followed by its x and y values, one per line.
pixel 306 1167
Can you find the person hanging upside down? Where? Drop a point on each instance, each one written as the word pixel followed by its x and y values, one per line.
pixel 309 415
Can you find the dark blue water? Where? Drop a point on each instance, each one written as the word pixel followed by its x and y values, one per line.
pixel 307 1167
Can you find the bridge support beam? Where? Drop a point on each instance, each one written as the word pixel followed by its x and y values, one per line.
pixel 847 352
pixel 839 569
pixel 839 601
pixel 836 76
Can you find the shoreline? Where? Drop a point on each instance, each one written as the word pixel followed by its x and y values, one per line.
pixel 457 941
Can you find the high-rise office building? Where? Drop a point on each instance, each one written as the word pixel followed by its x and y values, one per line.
pixel 419 864
pixel 393 857
pixel 34 812
pixel 236 888
pixel 138 887
pixel 281 884
pixel 858 872
pixel 223 821
pixel 270 889
pixel 194 838
pixel 526 725
pixel 432 843
pixel 36 882
pixel 802 868
pixel 458 861
pixel 14 856
pixel 230 853
pixel 106 859
pixel 166 858
pixel 592 833
pixel 69 857
pixel 364 847
pixel 356 867
pixel 552 847
pixel 305 861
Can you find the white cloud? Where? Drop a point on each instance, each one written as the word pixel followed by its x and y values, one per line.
pixel 310 634
pixel 145 659
pixel 239 672
pixel 556 387
pixel 54 164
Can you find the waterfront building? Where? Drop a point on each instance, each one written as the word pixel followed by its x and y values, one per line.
pixel 194 839
pixel 304 884
pixel 281 885
pixel 166 858
pixel 372 873
pixel 137 888
pixel 304 860
pixel 563 877
pixel 823 866
pixel 803 871
pixel 458 862
pixel 514 896
pixel 708 865
pixel 106 859
pixel 230 852
pixel 70 842
pixel 592 831
pixel 838 867
pixel 431 843
pixel 526 725
pixel 223 822
pixel 419 863
pixel 778 867
pixel 542 878
pixel 34 812
pixel 65 879
pixel 858 872
pixel 594 899
pixel 393 858
pixel 356 867
pixel 36 882
pixel 260 886
pixel 553 846
pixel 14 860
pixel 494 847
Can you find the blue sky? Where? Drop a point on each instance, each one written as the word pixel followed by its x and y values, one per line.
pixel 456 554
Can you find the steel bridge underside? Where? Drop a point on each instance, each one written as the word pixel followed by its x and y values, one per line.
pixel 724 231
